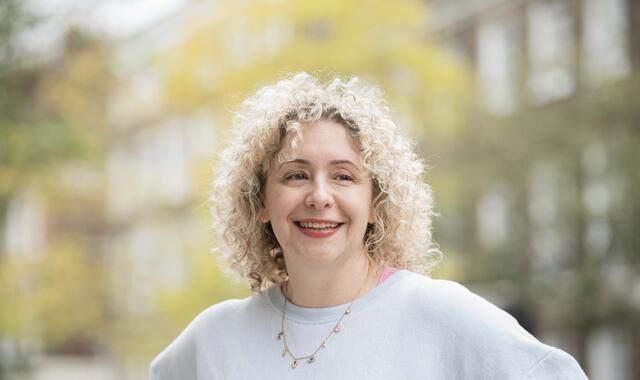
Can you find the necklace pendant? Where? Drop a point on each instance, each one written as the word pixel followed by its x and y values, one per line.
pixel 284 352
pixel 280 334
pixel 348 311
pixel 336 329
pixel 294 364
pixel 311 360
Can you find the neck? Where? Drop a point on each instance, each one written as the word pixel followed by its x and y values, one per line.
pixel 326 287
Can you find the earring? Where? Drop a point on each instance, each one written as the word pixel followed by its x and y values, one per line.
pixel 273 252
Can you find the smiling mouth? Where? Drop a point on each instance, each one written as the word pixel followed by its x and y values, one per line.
pixel 318 226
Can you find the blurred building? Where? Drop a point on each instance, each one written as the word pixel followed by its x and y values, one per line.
pixel 160 153
pixel 532 58
pixel 153 167
pixel 25 224
pixel 528 56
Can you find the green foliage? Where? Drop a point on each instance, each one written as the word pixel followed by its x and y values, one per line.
pixel 51 113
pixel 70 297
pixel 58 297
pixel 16 287
pixel 13 19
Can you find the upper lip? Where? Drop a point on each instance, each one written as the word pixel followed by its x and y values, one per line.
pixel 318 221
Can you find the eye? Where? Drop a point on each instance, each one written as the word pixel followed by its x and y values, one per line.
pixel 298 176
pixel 344 177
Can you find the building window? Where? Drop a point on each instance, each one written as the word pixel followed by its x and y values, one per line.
pixel 597 199
pixel 609 351
pixel 551 50
pixel 605 54
pixel 547 244
pixel 492 218
pixel 25 224
pixel 496 57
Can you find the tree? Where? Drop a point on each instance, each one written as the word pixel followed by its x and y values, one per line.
pixel 248 44
pixel 51 115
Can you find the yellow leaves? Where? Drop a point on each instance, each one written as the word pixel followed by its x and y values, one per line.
pixel 75 89
pixel 251 43
pixel 58 297
pixel 70 295
pixel 207 286
pixel 18 311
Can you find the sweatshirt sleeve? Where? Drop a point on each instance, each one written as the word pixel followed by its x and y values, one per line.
pixel 177 361
pixel 556 364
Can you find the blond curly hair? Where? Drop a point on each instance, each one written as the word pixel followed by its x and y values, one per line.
pixel 401 234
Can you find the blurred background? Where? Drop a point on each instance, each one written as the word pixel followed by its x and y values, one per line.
pixel 111 113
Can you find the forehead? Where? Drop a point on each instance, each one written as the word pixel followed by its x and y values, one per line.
pixel 319 138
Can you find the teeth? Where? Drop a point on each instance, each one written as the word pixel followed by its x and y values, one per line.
pixel 318 225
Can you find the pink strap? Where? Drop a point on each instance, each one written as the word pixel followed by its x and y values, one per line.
pixel 387 271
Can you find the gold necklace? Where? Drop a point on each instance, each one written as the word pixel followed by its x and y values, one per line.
pixel 311 358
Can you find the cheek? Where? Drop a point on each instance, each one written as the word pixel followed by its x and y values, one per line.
pixel 279 207
pixel 364 204
pixel 360 213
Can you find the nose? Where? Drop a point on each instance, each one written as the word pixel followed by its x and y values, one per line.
pixel 319 196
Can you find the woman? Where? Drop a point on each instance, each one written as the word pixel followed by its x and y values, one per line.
pixel 322 208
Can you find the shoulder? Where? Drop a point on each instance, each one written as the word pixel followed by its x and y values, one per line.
pixel 178 360
pixel 466 318
pixel 557 364
pixel 480 332
pixel 435 296
pixel 451 302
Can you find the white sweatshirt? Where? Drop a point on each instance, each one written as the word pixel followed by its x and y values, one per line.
pixel 408 327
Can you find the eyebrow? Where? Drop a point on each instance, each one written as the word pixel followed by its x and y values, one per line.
pixel 332 163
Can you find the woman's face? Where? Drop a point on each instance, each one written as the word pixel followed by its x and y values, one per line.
pixel 318 199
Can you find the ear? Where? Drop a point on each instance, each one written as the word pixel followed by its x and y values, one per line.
pixel 375 194
pixel 263 216
pixel 372 215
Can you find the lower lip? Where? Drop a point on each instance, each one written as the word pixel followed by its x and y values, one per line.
pixel 318 233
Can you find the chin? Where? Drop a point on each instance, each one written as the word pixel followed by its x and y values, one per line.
pixel 318 258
